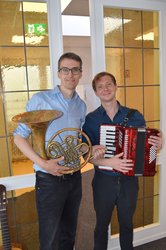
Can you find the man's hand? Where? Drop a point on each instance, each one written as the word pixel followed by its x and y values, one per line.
pixel 54 167
pixel 156 141
pixel 98 151
pixel 117 162
pixel 120 164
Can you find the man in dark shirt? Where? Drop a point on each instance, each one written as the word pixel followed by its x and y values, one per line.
pixel 113 188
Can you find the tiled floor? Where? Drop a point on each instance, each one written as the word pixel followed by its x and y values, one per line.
pixel 155 245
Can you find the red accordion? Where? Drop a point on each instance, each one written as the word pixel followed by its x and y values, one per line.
pixel 133 142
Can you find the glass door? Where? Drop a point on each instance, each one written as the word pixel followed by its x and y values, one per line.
pixel 26 67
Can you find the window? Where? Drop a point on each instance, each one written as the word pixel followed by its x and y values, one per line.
pixel 132 55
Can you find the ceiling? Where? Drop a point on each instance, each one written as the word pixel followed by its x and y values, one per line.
pixel 77 8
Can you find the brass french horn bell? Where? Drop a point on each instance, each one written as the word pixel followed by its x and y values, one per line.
pixel 38 121
pixel 66 142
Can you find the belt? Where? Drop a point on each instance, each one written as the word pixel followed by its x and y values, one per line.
pixel 63 177
pixel 110 172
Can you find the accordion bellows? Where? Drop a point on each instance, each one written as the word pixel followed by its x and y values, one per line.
pixel 133 142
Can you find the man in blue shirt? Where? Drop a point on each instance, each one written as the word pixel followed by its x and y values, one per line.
pixel 112 188
pixel 57 196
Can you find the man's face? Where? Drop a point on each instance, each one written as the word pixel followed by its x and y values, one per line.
pixel 69 78
pixel 106 89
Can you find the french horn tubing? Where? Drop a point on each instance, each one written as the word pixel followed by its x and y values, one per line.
pixel 68 143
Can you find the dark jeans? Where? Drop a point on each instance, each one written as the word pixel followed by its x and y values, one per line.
pixel 58 200
pixel 110 191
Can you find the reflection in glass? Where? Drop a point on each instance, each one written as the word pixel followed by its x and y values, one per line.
pixel 148 186
pixel 132 29
pixel 4 160
pixel 157 178
pixel 23 221
pixel 133 75
pixel 138 215
pixel 13 69
pixel 38 63
pixel 152 111
pixel 113 27
pixel 114 222
pixel 151 184
pixel 151 210
pixel 14 103
pixel 153 124
pixel 132 101
pixel 115 63
pixel 20 164
pixel 141 187
pixel 120 95
pixel 150 29
pixel 36 26
pixel 151 66
pixel 10 23
pixel 156 204
pixel 2 122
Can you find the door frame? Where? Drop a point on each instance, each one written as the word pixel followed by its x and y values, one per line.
pixel 158 230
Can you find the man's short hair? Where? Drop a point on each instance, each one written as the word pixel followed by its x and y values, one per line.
pixel 101 74
pixel 70 55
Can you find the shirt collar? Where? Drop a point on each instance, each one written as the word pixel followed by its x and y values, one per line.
pixel 120 108
pixel 58 91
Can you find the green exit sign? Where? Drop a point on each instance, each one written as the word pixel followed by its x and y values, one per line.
pixel 38 29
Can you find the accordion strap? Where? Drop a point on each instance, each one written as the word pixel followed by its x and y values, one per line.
pixel 129 114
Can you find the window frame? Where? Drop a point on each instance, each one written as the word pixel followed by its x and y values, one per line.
pixel 156 230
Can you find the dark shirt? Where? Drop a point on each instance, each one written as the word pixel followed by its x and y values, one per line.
pixel 99 116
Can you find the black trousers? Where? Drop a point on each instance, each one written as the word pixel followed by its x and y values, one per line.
pixel 58 200
pixel 108 192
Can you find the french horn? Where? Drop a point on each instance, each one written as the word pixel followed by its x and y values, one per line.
pixel 66 142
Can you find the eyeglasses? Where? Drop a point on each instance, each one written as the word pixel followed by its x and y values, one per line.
pixel 66 71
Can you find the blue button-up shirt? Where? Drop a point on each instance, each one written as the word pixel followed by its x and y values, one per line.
pixel 73 109
pixel 99 116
